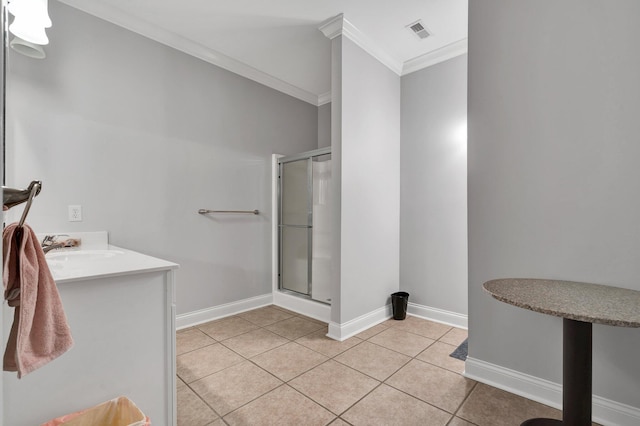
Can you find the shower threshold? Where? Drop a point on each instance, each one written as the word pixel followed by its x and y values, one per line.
pixel 304 296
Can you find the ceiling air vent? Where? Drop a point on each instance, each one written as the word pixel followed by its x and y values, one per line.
pixel 418 29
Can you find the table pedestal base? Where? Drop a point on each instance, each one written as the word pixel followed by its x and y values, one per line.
pixel 576 376
pixel 542 422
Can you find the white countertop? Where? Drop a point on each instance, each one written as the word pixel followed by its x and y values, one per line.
pixel 71 265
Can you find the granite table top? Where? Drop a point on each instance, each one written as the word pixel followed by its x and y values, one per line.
pixel 593 303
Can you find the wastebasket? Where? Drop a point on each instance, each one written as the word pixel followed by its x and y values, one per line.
pixel 399 303
pixel 120 411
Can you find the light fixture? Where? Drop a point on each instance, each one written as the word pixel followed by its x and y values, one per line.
pixel 27 48
pixel 27 31
pixel 35 10
pixel 31 17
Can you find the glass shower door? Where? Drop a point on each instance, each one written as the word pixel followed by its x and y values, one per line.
pixel 321 233
pixel 295 225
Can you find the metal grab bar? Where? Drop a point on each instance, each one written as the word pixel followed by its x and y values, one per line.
pixel 205 211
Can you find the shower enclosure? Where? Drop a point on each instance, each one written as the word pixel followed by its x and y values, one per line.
pixel 304 224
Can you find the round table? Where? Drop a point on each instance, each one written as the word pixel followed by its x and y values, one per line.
pixel 580 305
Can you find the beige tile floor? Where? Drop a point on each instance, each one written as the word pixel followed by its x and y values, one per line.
pixel 271 366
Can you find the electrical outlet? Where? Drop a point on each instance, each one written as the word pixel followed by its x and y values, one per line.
pixel 75 213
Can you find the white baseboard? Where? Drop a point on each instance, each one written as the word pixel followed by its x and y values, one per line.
pixel 360 324
pixel 216 312
pixel 531 387
pixel 438 315
pixel 319 311
pixel 351 328
pixel 605 411
pixel 309 308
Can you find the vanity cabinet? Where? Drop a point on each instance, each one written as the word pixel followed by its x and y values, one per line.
pixel 122 320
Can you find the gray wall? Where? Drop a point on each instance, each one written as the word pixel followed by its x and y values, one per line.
pixel 336 178
pixel 142 136
pixel 433 191
pixel 324 125
pixel 554 182
pixel 369 178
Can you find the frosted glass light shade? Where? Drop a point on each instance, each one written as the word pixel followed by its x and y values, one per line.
pixel 36 11
pixel 26 30
pixel 28 49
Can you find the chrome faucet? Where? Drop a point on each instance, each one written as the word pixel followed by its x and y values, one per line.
pixel 49 243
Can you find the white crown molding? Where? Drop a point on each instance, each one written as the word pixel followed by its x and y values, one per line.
pixel 332 28
pixel 340 26
pixel 324 98
pixel 153 32
pixel 449 51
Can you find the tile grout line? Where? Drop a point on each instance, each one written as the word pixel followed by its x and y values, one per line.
pixel 248 359
pixel 286 383
pixel 381 382
pixel 363 397
pixel 283 382
pixel 328 358
pixel 362 372
pixel 205 402
pixel 414 358
pixel 465 400
pixel 268 372
pixel 453 415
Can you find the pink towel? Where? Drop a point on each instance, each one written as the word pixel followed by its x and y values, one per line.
pixel 40 332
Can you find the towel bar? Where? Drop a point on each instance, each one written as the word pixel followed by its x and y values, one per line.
pixel 34 190
pixel 12 196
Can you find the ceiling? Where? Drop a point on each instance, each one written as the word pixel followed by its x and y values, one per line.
pixel 278 43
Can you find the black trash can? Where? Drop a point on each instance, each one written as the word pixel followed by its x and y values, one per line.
pixel 399 302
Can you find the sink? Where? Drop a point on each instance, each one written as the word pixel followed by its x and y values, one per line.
pixel 81 255
pixel 71 263
pixel 98 261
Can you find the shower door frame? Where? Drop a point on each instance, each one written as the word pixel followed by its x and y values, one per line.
pixel 309 156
